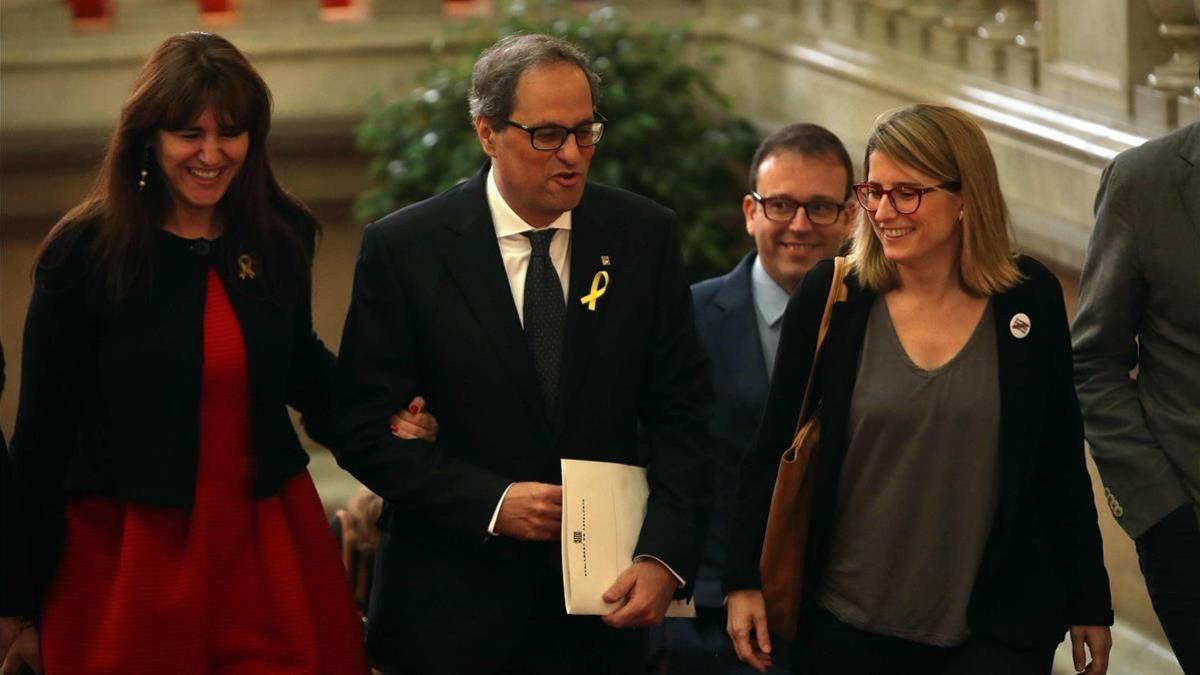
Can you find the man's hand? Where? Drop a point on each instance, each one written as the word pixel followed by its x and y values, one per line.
pixel 747 627
pixel 647 587
pixel 413 422
pixel 26 650
pixel 1099 641
pixel 531 511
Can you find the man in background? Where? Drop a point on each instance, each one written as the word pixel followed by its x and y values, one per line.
pixel 799 210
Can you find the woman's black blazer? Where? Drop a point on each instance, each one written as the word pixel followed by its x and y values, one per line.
pixel 110 398
pixel 1043 567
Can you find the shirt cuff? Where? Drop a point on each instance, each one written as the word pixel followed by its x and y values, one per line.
pixel 678 579
pixel 496 514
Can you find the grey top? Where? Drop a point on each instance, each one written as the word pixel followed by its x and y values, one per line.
pixel 918 487
pixel 1139 307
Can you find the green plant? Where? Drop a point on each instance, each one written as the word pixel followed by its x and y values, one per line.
pixel 672 135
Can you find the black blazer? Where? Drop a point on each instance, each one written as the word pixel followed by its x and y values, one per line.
pixel 1043 567
pixel 432 314
pixel 725 319
pixel 110 399
pixel 15 593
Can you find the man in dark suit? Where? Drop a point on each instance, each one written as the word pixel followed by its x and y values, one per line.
pixel 1139 308
pixel 799 210
pixel 542 318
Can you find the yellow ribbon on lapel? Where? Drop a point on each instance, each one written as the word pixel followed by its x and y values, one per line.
pixel 247 266
pixel 597 290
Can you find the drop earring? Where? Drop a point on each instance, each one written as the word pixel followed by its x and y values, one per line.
pixel 145 170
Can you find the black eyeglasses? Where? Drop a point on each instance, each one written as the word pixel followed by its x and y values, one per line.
pixel 783 209
pixel 549 137
pixel 905 199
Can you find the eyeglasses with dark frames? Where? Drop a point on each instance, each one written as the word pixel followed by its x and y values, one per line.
pixel 783 209
pixel 550 137
pixel 905 199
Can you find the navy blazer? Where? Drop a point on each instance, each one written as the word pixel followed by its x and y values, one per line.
pixel 432 313
pixel 1043 567
pixel 727 325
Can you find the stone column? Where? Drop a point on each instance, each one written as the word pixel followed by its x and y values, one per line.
pixel 845 19
pixel 1189 107
pixel 913 24
pixel 1090 74
pixel 947 40
pixel 879 21
pixel 1021 57
pixel 816 14
pixel 986 49
pixel 1156 103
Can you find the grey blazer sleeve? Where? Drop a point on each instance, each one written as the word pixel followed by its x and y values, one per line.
pixel 1137 474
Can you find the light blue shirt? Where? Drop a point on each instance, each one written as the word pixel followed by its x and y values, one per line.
pixel 770 301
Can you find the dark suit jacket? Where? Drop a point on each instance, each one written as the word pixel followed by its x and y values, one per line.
pixel 16 597
pixel 727 325
pixel 1139 307
pixel 432 314
pixel 1043 568
pixel 110 398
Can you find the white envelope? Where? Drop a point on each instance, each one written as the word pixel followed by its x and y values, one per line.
pixel 604 504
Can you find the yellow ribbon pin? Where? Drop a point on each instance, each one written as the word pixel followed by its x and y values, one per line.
pixel 597 290
pixel 247 266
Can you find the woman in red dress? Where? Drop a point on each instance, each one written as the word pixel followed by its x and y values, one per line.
pixel 172 523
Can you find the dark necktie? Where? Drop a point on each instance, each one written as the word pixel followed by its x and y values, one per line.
pixel 545 314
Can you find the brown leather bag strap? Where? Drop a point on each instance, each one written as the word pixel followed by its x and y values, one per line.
pixel 343 517
pixel 837 293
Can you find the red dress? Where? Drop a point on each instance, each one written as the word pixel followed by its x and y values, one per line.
pixel 235 586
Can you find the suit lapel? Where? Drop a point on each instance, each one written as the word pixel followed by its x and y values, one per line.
pixel 590 240
pixel 736 330
pixel 1189 184
pixel 473 260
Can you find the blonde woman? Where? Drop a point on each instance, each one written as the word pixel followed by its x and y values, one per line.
pixel 953 529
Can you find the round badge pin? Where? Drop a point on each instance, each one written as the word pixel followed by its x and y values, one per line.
pixel 1020 325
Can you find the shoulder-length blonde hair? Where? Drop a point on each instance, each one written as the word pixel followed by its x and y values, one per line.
pixel 945 144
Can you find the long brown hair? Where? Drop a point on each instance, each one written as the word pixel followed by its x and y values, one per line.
pixel 186 74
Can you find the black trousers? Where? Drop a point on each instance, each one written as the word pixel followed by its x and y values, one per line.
pixel 1169 555
pixel 830 647
pixel 550 643
pixel 554 643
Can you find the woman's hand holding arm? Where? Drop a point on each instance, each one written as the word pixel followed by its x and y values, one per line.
pixel 414 422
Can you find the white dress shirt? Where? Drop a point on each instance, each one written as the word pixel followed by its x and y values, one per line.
pixel 515 249
pixel 515 246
